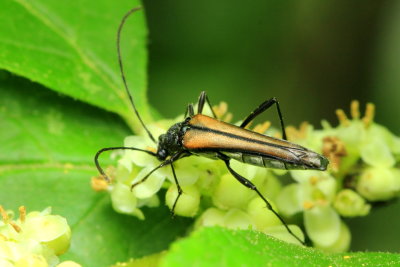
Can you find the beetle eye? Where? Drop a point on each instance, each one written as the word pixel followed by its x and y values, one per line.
pixel 162 154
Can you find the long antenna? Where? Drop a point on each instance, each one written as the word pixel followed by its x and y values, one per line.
pixel 121 67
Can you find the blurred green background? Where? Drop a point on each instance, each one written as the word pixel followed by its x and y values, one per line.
pixel 314 56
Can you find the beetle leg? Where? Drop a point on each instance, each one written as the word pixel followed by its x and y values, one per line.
pixel 260 109
pixel 203 98
pixel 179 190
pixel 175 157
pixel 189 111
pixel 250 185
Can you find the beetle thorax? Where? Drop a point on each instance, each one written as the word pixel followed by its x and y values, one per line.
pixel 170 142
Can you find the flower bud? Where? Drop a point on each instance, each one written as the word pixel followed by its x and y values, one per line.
pixel 342 244
pixel 323 225
pixel 289 199
pixel 267 182
pixel 230 193
pixel 34 239
pixel 124 201
pixel 377 153
pixel 32 260
pixel 50 230
pixel 151 185
pixel 379 184
pixel 261 216
pixel 211 217
pixel 350 204
pixel 237 219
pixel 188 203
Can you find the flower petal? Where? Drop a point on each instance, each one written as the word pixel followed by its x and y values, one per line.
pixel 151 186
pixel 124 201
pixel 322 224
pixel 289 201
pixel 377 153
pixel 342 244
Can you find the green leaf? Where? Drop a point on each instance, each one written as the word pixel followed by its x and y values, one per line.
pixel 39 126
pixel 46 159
pixel 70 48
pixel 215 246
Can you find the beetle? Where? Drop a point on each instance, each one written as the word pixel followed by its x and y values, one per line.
pixel 203 135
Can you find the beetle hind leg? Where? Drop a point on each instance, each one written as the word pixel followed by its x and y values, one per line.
pixel 250 185
pixel 260 109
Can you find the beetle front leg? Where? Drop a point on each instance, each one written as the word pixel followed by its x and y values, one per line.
pixel 179 190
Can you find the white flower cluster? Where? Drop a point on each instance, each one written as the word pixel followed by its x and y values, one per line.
pixel 34 239
pixel 362 169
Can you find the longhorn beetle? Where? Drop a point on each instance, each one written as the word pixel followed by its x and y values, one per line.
pixel 202 135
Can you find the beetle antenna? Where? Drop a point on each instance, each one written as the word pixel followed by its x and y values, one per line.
pixel 96 157
pixel 121 67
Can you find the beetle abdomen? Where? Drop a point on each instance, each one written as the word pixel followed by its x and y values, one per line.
pixel 206 135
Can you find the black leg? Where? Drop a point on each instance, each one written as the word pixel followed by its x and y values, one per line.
pixel 179 190
pixel 203 98
pixel 260 109
pixel 175 157
pixel 96 157
pixel 189 110
pixel 250 185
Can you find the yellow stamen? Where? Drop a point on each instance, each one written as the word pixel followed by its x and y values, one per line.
pixel 307 205
pixel 277 135
pixel 223 107
pixel 303 127
pixel 152 149
pixel 15 226
pixel 22 213
pixel 355 109
pixel 98 183
pixel 228 117
pixel 342 117
pixel 262 127
pixel 313 180
pixel 4 214
pixel 369 114
pixel 220 109
pixel 293 134
pixel 334 149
